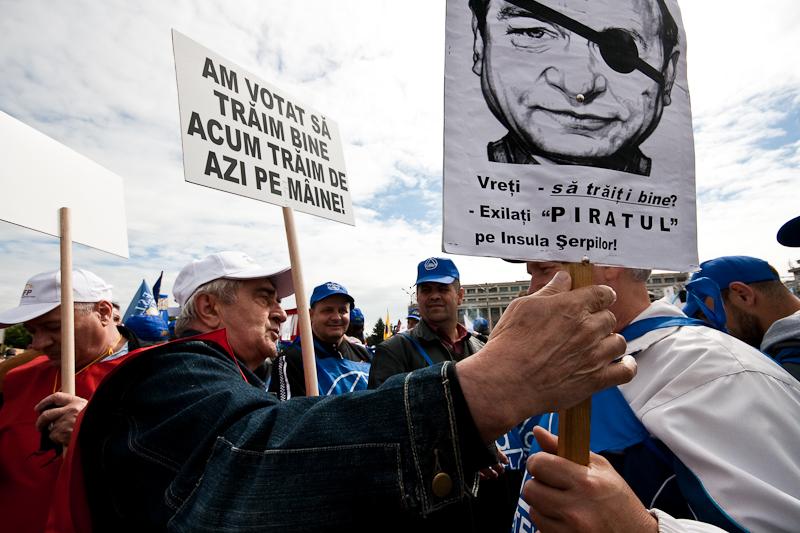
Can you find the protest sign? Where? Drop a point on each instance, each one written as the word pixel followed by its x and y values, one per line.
pixel 244 136
pixel 41 175
pixel 568 137
pixel 568 133
pixel 49 188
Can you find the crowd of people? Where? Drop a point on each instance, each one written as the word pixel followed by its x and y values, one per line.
pixel 694 410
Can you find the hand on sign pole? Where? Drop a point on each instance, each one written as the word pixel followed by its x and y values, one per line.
pixel 548 351
pixel 566 497
pixel 57 415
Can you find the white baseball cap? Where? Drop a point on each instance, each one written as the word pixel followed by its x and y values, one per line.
pixel 228 265
pixel 42 294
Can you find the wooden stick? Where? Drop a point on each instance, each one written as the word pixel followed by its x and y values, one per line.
pixel 307 338
pixel 574 423
pixel 67 306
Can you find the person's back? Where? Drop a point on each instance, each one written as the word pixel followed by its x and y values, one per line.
pixel 701 431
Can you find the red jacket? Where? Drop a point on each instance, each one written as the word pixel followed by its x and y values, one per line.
pixel 27 478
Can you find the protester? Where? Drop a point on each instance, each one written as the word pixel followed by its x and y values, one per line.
pixel 481 329
pixel 756 307
pixel 568 81
pixel 412 319
pixel 342 366
pixel 703 432
pixel 355 331
pixel 30 460
pixel 440 337
pixel 184 433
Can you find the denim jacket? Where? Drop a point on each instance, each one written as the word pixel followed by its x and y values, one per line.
pixel 182 438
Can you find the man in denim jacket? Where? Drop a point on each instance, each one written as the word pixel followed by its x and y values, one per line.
pixel 184 438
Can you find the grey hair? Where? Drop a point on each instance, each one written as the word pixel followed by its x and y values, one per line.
pixel 222 289
pixel 640 274
pixel 84 307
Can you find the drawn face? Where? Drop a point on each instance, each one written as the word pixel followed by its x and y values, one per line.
pixel 533 70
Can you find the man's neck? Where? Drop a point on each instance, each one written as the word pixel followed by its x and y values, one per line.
pixel 334 342
pixel 112 342
pixel 448 330
pixel 628 307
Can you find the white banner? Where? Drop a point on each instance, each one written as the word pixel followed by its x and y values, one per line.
pixel 568 132
pixel 242 135
pixel 40 175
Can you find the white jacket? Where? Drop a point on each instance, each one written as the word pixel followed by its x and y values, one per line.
pixel 729 413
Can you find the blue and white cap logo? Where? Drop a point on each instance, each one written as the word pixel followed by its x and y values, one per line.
pixel 334 286
pixel 431 264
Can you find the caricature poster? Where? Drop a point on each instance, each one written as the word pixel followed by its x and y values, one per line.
pixel 568 132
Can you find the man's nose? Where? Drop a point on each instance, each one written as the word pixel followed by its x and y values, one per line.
pixel 579 73
pixel 278 314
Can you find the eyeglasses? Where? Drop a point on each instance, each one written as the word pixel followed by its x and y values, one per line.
pixel 617 47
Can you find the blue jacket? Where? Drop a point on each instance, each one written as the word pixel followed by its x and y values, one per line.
pixel 183 438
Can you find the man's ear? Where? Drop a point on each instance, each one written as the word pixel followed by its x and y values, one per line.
pixel 206 309
pixel 106 312
pixel 460 295
pixel 670 71
pixel 477 48
pixel 741 295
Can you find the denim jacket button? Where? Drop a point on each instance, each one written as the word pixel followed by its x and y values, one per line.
pixel 442 485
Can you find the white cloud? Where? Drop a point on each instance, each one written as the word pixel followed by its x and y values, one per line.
pixel 99 77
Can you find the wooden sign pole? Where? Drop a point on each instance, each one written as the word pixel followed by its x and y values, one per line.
pixel 67 305
pixel 307 344
pixel 574 423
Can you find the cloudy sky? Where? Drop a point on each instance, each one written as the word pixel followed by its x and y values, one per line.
pixel 99 77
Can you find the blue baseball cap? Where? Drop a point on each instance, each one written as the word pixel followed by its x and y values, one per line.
pixel 789 234
pixel 413 314
pixel 356 316
pixel 726 270
pixel 329 289
pixel 436 270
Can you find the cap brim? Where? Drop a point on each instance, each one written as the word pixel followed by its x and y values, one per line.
pixel 447 280
pixel 23 313
pixel 789 234
pixel 281 279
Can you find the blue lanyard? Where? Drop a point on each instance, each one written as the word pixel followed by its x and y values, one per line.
pixel 419 348
pixel 640 327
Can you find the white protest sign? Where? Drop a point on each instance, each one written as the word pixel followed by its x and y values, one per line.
pixel 568 132
pixel 244 136
pixel 40 176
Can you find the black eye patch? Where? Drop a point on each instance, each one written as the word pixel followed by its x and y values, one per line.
pixel 617 46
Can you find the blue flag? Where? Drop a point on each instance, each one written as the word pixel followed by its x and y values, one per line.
pixel 143 317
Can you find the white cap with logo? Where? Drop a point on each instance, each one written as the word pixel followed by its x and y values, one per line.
pixel 228 265
pixel 42 294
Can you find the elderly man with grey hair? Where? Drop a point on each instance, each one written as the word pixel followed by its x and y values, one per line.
pixel 37 418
